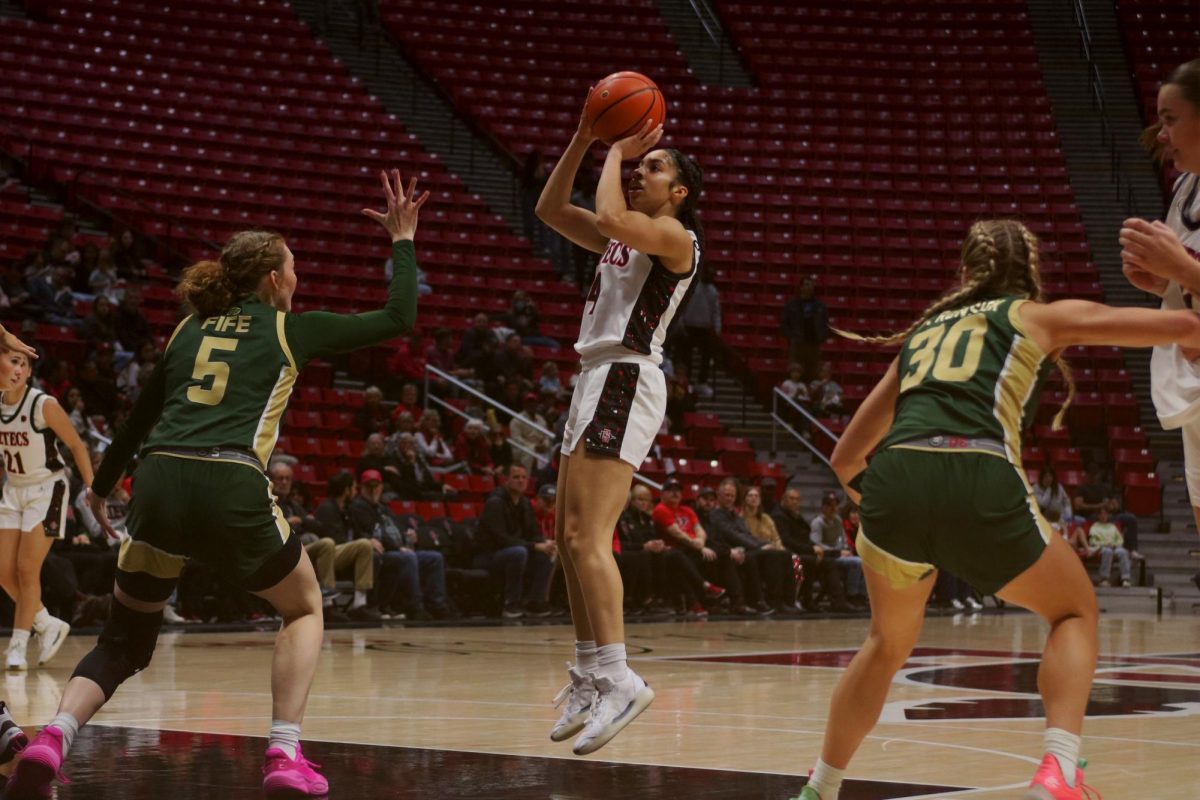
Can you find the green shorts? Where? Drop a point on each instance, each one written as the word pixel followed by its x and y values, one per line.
pixel 969 513
pixel 221 513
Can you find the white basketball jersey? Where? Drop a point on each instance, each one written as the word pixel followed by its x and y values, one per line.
pixel 631 303
pixel 28 446
pixel 1174 380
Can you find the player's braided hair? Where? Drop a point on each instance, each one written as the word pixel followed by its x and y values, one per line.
pixel 688 173
pixel 999 258
pixel 213 286
pixel 1187 77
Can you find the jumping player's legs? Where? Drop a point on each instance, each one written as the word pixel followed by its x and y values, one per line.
pixel 32 552
pixel 897 616
pixel 579 616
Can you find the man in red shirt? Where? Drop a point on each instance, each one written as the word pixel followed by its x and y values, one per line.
pixel 679 527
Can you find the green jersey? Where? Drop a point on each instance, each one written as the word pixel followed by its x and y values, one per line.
pixel 971 372
pixel 225 381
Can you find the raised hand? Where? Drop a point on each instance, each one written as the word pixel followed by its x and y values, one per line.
pixel 584 131
pixel 641 142
pixel 1153 247
pixel 403 208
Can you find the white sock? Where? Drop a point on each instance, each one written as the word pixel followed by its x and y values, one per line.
pixel 611 662
pixel 20 638
pixel 69 726
pixel 285 736
pixel 1065 747
pixel 585 656
pixel 360 599
pixel 826 780
pixel 41 619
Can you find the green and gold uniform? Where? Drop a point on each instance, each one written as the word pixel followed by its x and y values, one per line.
pixel 209 418
pixel 946 488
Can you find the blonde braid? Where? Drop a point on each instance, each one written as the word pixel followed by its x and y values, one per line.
pixel 1035 283
pixel 979 279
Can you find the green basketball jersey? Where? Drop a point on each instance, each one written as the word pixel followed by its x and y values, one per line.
pixel 229 378
pixel 225 381
pixel 971 372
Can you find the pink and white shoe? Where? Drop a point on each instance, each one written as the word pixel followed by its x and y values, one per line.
pixel 1049 784
pixel 37 768
pixel 292 777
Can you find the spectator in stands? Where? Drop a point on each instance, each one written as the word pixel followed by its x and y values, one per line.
pixel 805 323
pixel 826 393
pixel 415 479
pixel 100 325
pixel 408 361
pixel 1052 495
pixel 56 376
pixel 955 592
pixel 795 387
pixel 127 254
pixel 89 262
pixel 337 553
pixel 410 403
pixel 92 554
pixel 433 445
pixel 522 431
pixel 133 329
pixel 423 286
pixel 404 423
pixel 372 417
pixel 828 533
pixel 52 293
pixel 511 546
pixel 525 320
pixel 421 574
pixel 638 545
pixel 782 596
pixel 375 456
pixel 511 398
pixel 13 283
pixel 502 451
pixel 99 395
pixel 726 525
pixel 103 281
pixel 289 501
pixel 549 382
pixel 700 328
pixel 473 449
pixel 441 355
pixel 796 534
pixel 514 364
pixel 129 378
pixel 680 527
pixel 533 180
pixel 680 402
pixel 472 344
pixel 1104 537
pixel 1098 492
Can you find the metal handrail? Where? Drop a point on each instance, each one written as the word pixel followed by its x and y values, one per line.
pixel 463 387
pixel 777 421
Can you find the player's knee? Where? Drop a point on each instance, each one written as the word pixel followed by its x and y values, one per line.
pixel 28 575
pixel 125 647
pixel 892 648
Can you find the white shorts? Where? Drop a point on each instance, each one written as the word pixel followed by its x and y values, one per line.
pixel 23 508
pixel 1191 460
pixel 617 410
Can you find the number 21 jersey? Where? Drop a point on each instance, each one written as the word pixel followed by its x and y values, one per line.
pixel 630 305
pixel 29 447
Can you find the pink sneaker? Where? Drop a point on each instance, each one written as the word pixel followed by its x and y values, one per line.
pixel 38 767
pixel 1049 784
pixel 292 777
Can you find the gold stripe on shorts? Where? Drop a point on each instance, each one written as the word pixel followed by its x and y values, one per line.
pixel 899 573
pixel 141 557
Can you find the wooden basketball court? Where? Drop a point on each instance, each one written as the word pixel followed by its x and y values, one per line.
pixel 465 712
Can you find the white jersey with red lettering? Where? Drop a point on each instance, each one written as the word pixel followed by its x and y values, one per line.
pixel 630 306
pixel 28 446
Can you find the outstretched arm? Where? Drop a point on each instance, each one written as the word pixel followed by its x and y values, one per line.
pixel 321 333
pixel 1070 322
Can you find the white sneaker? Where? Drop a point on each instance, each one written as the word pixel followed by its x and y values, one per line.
pixel 580 693
pixel 957 604
pixel 974 604
pixel 52 635
pixel 14 658
pixel 617 704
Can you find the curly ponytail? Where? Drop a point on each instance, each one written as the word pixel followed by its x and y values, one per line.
pixel 211 287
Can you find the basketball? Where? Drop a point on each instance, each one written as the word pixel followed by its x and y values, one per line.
pixel 621 103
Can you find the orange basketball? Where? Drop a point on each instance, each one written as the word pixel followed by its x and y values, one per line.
pixel 621 103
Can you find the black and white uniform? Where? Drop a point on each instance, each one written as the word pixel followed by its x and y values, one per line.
pixel 620 399
pixel 35 485
pixel 1174 380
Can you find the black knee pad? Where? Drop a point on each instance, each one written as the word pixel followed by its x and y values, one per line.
pixel 125 648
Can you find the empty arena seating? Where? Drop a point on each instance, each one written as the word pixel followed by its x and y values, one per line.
pixel 1159 36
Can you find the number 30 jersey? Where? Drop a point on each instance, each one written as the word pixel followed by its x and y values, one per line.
pixel 972 372
pixel 28 446
pixel 630 305
pixel 225 381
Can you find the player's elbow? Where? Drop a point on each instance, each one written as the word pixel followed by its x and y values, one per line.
pixel 608 223
pixel 1188 334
